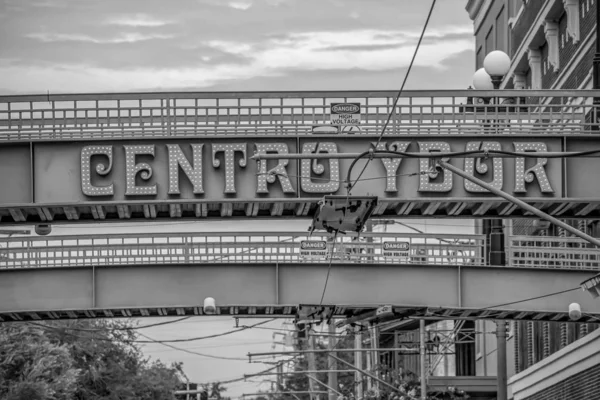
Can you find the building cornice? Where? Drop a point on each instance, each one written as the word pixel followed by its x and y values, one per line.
pixel 573 359
pixel 473 7
pixel 477 10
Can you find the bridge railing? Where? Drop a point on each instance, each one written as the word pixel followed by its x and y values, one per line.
pixel 227 247
pixel 167 115
pixel 551 252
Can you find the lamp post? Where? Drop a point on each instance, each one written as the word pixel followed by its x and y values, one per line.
pixel 495 66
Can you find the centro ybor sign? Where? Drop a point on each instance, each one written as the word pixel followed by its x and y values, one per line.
pixel 345 114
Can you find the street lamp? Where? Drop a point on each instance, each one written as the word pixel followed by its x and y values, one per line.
pixel 496 64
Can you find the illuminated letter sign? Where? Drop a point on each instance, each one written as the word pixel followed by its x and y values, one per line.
pixel 177 159
pixel 471 166
pixel 522 175
pixel 86 177
pixel 132 169
pixel 313 165
pixel 229 150
pixel 392 164
pixel 273 174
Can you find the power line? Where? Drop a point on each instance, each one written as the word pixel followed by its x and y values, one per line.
pixel 533 298
pixel 328 268
pixel 341 180
pixel 213 346
pixel 116 328
pixel 389 117
pixel 243 328
pixel 155 341
pixel 191 351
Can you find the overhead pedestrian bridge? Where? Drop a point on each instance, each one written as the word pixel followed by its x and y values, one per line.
pixel 149 156
pixel 271 274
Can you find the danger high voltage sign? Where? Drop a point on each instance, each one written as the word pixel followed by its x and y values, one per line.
pixel 345 114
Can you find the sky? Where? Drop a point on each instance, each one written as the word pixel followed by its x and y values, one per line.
pixel 92 46
pixel 72 46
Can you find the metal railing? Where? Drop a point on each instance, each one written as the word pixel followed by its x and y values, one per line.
pixel 551 252
pixel 155 115
pixel 228 247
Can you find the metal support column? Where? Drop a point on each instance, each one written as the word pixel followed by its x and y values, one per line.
pixel 501 359
pixel 423 366
pixel 358 363
pixel 332 380
pixel 312 366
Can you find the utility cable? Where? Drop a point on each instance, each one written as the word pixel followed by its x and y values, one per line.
pixel 209 336
pixel 488 153
pixel 328 268
pixel 191 351
pixel 391 112
pixel 341 180
pixel 533 298
pixel 157 341
pixel 115 328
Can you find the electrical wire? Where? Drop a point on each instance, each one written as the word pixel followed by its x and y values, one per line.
pixel 533 298
pixel 389 117
pixel 243 328
pixel 328 268
pixel 115 328
pixel 191 351
pixel 153 351
pixel 159 341
pixel 341 180
pixel 489 153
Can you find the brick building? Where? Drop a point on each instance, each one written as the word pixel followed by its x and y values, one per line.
pixel 551 44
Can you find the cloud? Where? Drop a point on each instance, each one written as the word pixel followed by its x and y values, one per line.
pixel 351 49
pixel 138 20
pixel 240 5
pixel 355 51
pixel 128 37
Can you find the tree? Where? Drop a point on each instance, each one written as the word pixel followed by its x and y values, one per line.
pixel 34 368
pixel 75 360
pixel 216 389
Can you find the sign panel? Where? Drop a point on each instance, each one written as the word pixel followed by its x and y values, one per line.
pixel 216 177
pixel 398 250
pixel 314 249
pixel 345 114
pixel 221 169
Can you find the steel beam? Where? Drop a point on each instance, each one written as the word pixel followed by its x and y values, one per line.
pixel 172 286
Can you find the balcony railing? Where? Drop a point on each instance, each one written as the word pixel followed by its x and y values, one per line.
pixel 284 247
pixel 551 252
pixel 156 115
pixel 228 247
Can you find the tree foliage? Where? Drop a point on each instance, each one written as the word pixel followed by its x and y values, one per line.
pixel 73 360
